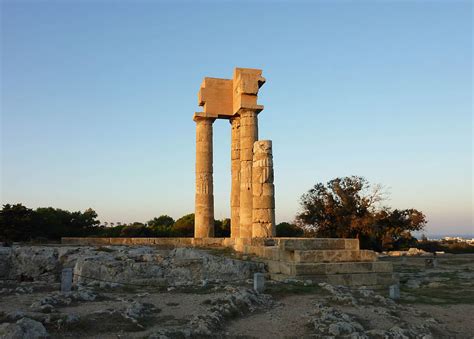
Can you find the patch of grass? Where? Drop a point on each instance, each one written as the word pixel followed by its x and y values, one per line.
pixel 448 295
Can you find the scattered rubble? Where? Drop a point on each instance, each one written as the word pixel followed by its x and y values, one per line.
pixel 25 328
pixel 202 293
pixel 114 266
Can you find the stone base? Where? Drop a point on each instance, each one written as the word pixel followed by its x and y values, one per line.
pixel 335 261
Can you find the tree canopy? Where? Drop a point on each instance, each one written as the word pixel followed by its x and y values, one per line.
pixel 350 207
pixel 19 223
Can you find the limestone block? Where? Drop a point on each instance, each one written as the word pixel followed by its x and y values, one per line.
pixel 262 174
pixel 363 279
pixel 262 215
pixel 292 244
pixel 271 252
pixel 215 95
pixel 66 280
pixel 351 244
pixel 308 268
pixel 382 267
pixel 274 266
pixel 350 267
pixel 394 291
pixel 246 83
pixel 259 282
pixel 333 256
pixel 262 230
pixel 264 202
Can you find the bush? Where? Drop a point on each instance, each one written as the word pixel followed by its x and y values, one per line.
pixel 448 247
pixel 285 229
pixel 222 228
pixel 135 230
pixel 184 226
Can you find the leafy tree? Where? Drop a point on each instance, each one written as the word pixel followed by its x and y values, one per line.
pixel 54 223
pixel 162 221
pixel 184 226
pixel 285 229
pixel 222 228
pixel 136 229
pixel 15 223
pixel 161 226
pixel 19 223
pixel 351 208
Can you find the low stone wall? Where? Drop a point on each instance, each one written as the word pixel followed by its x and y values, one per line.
pixel 168 242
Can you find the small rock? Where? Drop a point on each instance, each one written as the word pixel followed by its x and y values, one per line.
pixel 24 328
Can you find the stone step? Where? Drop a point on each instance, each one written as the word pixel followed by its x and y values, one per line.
pixel 305 269
pixel 309 256
pixel 374 280
pixel 333 256
pixel 305 244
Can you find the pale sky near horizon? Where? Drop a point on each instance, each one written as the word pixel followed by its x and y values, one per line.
pixel 97 99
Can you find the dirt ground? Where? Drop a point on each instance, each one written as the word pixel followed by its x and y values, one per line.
pixel 446 292
pixel 441 299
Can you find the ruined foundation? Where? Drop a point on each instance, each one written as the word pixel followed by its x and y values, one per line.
pixel 252 199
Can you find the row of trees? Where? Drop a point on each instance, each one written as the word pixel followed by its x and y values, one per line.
pixel 19 223
pixel 342 208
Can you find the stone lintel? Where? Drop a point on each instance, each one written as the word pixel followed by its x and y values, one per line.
pixel 215 95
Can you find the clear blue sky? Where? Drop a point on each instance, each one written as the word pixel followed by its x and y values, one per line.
pixel 98 98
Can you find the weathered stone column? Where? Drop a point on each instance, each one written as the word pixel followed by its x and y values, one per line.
pixel 235 174
pixel 263 217
pixel 248 135
pixel 204 203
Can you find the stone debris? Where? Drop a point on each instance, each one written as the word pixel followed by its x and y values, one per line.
pixel 25 328
pixel 236 302
pixel 329 321
pixel 336 311
pixel 114 266
pixel 47 304
pixel 411 252
pixel 326 320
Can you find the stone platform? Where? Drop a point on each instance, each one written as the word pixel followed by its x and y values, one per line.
pixel 335 261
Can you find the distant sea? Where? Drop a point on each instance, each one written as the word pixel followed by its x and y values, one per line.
pixel 442 235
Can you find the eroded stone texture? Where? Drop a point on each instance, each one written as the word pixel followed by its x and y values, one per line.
pixel 215 96
pixel 246 83
pixel 248 135
pixel 234 99
pixel 204 203
pixel 235 175
pixel 263 190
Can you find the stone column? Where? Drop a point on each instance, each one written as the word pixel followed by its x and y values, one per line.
pixel 263 217
pixel 204 203
pixel 248 135
pixel 235 174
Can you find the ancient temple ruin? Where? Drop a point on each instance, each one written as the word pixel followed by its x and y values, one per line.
pixel 252 198
pixel 336 261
